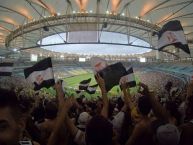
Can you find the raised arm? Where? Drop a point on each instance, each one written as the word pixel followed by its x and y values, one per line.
pixel 159 111
pixel 63 113
pixel 59 94
pixel 64 106
pixel 127 97
pixel 105 99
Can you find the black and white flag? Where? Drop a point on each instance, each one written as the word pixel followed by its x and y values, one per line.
pixel 78 91
pixel 128 79
pixel 83 85
pixel 41 74
pixel 112 75
pixel 172 34
pixel 98 64
pixel 6 69
pixel 92 89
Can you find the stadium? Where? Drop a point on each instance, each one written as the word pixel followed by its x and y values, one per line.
pixel 153 37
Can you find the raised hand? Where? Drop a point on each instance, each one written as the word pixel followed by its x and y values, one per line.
pixel 69 102
pixel 145 88
pixel 58 86
pixel 101 83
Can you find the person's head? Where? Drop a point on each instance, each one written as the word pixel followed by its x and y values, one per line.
pixel 168 86
pixel 172 109
pixel 51 110
pixel 83 119
pixel 167 134
pixel 144 105
pixel 120 103
pixel 189 108
pixel 12 122
pixel 99 131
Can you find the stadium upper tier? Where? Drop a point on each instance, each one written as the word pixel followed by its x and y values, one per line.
pixel 182 71
pixel 24 25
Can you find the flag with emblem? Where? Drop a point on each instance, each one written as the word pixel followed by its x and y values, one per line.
pixel 129 78
pixel 172 33
pixel 112 75
pixel 6 69
pixel 98 64
pixel 83 85
pixel 41 74
pixel 92 89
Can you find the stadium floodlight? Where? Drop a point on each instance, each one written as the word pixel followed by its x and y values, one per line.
pixel 2 57
pixel 81 59
pixel 34 57
pixel 123 14
pixel 142 59
pixel 15 49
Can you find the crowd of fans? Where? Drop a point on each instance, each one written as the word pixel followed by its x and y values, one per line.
pixel 157 82
pixel 146 118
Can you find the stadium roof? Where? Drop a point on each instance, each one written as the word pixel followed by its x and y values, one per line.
pixel 22 22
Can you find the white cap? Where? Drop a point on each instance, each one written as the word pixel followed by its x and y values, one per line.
pixel 168 134
pixel 83 119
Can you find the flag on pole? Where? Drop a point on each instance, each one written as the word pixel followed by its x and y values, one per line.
pixel 78 91
pixel 92 89
pixel 172 33
pixel 98 64
pixel 6 69
pixel 129 78
pixel 83 85
pixel 112 75
pixel 41 74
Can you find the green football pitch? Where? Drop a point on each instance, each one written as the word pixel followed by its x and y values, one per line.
pixel 72 83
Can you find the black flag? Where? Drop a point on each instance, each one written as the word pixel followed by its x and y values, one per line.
pixel 112 74
pixel 92 89
pixel 6 69
pixel 41 74
pixel 172 34
pixel 83 85
pixel 129 78
pixel 78 91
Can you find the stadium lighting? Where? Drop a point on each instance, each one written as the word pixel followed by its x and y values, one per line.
pixel 91 11
pixel 142 59
pixel 34 57
pixel 82 59
pixel 14 49
pixel 107 12
pixel 73 12
pixel 123 14
pixel 2 57
pixel 58 14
